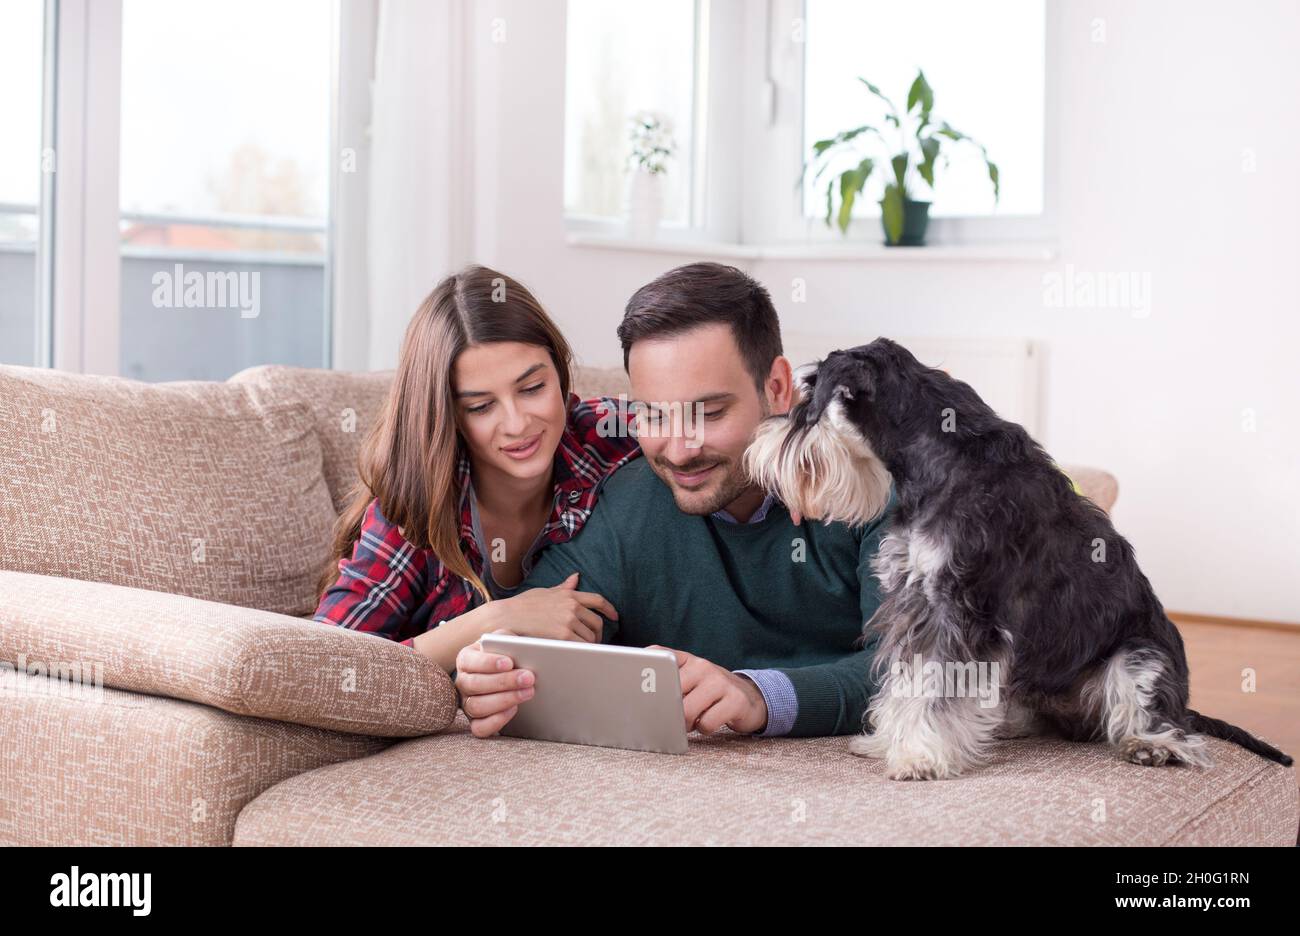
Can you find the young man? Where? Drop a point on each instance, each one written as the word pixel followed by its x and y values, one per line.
pixel 763 614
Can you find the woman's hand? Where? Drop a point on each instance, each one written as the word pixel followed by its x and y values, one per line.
pixel 558 613
pixel 490 688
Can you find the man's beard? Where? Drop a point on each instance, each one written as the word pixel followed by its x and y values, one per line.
pixel 734 483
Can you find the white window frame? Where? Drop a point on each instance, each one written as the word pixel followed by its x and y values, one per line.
pixel 714 125
pixel 781 139
pixel 753 90
pixel 43 306
pixel 80 268
pixel 86 281
pixel 347 331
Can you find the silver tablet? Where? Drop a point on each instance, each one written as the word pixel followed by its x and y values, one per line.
pixel 623 697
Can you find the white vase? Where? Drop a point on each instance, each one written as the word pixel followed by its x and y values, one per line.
pixel 645 204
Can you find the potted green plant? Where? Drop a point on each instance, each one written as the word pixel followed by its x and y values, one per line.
pixel 921 140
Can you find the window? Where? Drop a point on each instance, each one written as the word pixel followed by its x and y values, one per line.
pixel 166 181
pixel 225 179
pixel 24 337
pixel 779 75
pixel 985 62
pixel 626 57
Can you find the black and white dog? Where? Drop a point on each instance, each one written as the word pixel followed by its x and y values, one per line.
pixel 991 557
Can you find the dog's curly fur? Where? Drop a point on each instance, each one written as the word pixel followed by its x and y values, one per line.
pixel 990 556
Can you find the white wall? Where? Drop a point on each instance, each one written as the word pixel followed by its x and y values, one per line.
pixel 1154 123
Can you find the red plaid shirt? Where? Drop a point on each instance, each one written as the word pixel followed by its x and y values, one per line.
pixel 392 589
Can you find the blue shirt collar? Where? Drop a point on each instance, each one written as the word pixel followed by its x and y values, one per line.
pixel 758 517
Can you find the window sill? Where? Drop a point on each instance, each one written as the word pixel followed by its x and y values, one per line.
pixel 1015 251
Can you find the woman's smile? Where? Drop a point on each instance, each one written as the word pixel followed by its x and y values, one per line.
pixel 521 451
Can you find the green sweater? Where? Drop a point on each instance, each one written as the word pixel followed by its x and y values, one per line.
pixel 767 595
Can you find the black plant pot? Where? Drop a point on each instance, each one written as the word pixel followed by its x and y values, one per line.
pixel 916 218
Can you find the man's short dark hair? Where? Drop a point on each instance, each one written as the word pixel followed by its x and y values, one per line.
pixel 701 294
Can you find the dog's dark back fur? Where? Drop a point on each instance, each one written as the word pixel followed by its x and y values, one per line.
pixel 1034 557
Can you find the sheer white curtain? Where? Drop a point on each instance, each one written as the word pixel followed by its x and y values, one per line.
pixel 414 228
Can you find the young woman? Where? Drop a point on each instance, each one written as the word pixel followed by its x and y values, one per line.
pixel 481 458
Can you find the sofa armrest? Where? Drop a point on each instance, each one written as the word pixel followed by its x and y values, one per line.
pixel 241 660
pixel 106 767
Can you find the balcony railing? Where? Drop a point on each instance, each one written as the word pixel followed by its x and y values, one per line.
pixel 188 343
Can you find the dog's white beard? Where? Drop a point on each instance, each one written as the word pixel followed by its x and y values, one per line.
pixel 831 474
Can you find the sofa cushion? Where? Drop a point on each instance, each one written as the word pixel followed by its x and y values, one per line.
pixel 732 790
pixel 120 768
pixel 179 487
pixel 344 407
pixel 241 660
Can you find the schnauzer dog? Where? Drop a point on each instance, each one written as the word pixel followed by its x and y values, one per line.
pixel 990 555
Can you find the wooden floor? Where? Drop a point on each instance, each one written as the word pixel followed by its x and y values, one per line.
pixel 1217 655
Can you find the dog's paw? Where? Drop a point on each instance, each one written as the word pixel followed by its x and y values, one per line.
pixel 867 745
pixel 1139 751
pixel 915 769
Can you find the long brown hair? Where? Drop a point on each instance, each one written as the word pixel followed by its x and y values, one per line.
pixel 408 459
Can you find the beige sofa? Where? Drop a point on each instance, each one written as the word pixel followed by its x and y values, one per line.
pixel 161 681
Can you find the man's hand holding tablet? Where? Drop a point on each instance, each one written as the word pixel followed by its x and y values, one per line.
pixel 713 697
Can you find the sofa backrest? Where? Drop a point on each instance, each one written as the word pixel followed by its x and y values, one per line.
pixel 599 381
pixel 223 491
pixel 344 406
pixel 194 488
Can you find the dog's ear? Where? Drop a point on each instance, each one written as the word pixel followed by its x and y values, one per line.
pixel 844 375
pixel 859 383
pixel 805 380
